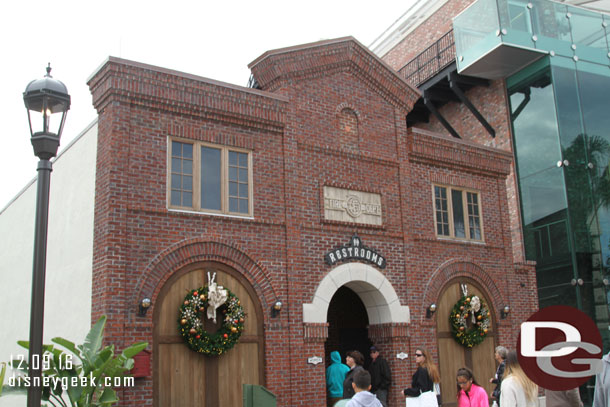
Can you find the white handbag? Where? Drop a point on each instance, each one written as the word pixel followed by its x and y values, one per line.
pixel 426 399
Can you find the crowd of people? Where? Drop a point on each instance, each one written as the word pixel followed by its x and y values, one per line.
pixel 351 385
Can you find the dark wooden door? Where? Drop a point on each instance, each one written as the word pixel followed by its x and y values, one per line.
pixel 184 378
pixel 452 355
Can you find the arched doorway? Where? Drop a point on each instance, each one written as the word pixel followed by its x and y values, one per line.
pixel 373 288
pixel 182 377
pixel 451 354
pixel 347 325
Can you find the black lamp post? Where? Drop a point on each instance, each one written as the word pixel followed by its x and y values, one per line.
pixel 47 101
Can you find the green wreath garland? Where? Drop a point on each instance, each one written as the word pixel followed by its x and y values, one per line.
pixel 190 324
pixel 461 315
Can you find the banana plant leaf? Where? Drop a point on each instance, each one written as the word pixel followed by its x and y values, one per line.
pixel 79 371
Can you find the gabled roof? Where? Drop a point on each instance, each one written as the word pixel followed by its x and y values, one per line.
pixel 277 68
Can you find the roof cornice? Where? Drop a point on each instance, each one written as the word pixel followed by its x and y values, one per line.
pixel 277 68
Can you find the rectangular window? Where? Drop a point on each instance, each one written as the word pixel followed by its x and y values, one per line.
pixel 210 178
pixel 457 213
pixel 182 174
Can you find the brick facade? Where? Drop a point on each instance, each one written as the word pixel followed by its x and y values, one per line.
pixel 328 114
pixel 491 102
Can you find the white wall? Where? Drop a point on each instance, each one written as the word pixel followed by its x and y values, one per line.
pixel 69 254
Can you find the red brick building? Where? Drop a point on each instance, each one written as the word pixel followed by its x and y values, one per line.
pixel 261 186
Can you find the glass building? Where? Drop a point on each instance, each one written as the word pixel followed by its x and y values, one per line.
pixel 556 62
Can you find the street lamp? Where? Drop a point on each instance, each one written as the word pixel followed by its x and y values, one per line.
pixel 47 101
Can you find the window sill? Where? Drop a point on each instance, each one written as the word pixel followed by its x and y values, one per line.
pixel 451 240
pixel 222 215
pixel 462 241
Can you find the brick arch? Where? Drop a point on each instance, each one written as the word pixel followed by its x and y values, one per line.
pixel 186 252
pixel 453 269
pixel 374 289
pixel 342 106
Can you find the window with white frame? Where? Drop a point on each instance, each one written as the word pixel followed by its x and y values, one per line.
pixel 457 213
pixel 210 178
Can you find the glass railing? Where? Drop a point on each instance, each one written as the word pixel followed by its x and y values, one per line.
pixel 541 25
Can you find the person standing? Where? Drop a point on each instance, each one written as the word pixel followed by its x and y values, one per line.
pixel 424 377
pixel 602 384
pixel 517 389
pixel 566 398
pixel 500 355
pixel 354 360
pixel 335 375
pixel 362 385
pixel 469 393
pixel 381 376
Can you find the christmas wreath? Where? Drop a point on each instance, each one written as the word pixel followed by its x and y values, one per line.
pixel 190 323
pixel 469 321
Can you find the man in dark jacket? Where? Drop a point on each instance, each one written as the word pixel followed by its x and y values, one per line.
pixel 381 376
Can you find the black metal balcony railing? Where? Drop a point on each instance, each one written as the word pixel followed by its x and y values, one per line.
pixel 430 61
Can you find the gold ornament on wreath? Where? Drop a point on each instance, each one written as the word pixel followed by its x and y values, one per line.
pixel 208 299
pixel 469 319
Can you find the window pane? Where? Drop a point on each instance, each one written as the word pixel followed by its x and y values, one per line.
pixel 233 205
pixel 187 183
pixel 243 160
pixel 187 199
pixel 187 166
pixel 187 150
pixel 233 159
pixel 176 165
pixel 176 181
pixel 243 206
pixel 210 178
pixel 233 188
pixel 232 173
pixel 176 198
pixel 243 191
pixel 243 175
pixel 458 213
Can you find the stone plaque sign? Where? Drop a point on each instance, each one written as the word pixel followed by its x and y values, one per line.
pixel 352 206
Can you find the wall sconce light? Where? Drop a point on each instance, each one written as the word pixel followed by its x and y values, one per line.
pixel 144 306
pixel 505 311
pixel 276 308
pixel 430 310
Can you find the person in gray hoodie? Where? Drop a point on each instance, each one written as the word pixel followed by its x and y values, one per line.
pixel 602 384
pixel 363 397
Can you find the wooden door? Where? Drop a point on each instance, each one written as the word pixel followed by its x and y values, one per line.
pixel 452 355
pixel 184 378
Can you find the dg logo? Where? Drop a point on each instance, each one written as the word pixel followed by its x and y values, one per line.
pixel 559 348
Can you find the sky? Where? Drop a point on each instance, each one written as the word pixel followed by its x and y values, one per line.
pixel 215 40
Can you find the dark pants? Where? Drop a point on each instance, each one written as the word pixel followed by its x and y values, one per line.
pixel 333 400
pixel 382 396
